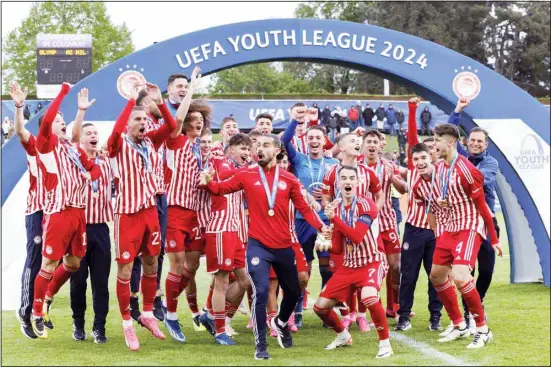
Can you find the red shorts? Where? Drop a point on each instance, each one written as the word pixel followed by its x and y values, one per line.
pixel 346 280
pixel 137 233
pixel 391 241
pixel 300 261
pixel 183 231
pixel 335 262
pixel 457 248
pixel 225 252
pixel 64 234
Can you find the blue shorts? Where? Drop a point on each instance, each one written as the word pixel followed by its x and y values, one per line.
pixel 307 238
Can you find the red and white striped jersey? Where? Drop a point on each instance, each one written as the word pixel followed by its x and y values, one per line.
pixel 387 215
pixel 421 194
pixel 367 181
pixel 100 209
pixel 205 203
pixel 465 182
pixel 224 216
pixel 416 215
pixel 36 196
pixel 368 250
pixel 158 169
pixel 299 142
pixel 218 148
pixel 181 173
pixel 136 185
pixel 63 181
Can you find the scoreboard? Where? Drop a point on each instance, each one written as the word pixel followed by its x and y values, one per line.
pixel 61 58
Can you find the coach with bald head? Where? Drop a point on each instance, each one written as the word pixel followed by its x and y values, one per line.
pixel 477 153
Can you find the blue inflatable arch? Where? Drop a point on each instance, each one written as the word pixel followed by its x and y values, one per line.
pixel 518 124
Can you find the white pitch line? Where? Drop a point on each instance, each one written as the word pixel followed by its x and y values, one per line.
pixel 428 350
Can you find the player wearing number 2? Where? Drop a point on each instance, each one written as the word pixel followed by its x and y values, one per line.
pixel 133 157
pixel 356 232
pixel 460 189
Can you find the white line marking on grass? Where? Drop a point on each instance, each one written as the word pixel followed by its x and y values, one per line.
pixel 428 350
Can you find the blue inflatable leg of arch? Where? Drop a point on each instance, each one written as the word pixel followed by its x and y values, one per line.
pixel 518 124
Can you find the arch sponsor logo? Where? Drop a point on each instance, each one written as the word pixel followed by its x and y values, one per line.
pixel 532 154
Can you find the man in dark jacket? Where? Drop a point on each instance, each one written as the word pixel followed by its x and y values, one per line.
pixel 27 112
pixel 381 115
pixel 391 119
pixel 400 117
pixel 325 116
pixel 426 116
pixel 368 115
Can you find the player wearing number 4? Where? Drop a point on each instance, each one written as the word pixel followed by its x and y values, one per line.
pixel 356 231
pixel 458 186
pixel 269 190
pixel 133 157
pixel 66 171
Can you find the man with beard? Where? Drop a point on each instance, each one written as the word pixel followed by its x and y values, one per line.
pixel 228 128
pixel 419 238
pixel 66 171
pixel 309 169
pixel 269 190
pixel 478 155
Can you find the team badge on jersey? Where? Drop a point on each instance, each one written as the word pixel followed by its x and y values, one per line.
pixel 126 255
pixel 406 246
pixel 227 262
pixel 172 243
pixel 37 239
pixel 255 261
pixel 49 250
pixel 282 185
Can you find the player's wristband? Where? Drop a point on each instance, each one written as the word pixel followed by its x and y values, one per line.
pixel 19 106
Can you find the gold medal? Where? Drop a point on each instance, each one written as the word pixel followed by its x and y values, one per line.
pixel 271 212
pixel 349 248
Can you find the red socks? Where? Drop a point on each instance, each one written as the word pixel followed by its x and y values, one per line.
pixel 172 288
pixel 220 321
pixel 472 299
pixel 230 309
pixel 343 310
pixel 208 304
pixel 447 296
pixel 192 302
pixel 40 286
pixel 61 275
pixel 352 304
pixel 361 306
pixel 186 276
pixel 123 295
pixel 329 318
pixel 149 288
pixel 378 316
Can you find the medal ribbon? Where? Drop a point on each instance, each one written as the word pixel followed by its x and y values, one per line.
pixel 311 170
pixel 348 219
pixel 445 184
pixel 142 150
pixel 271 196
pixel 197 152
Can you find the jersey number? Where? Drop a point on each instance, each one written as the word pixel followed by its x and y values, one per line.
pixel 197 231
pixel 371 272
pixel 459 246
pixel 393 237
pixel 156 236
pixel 84 240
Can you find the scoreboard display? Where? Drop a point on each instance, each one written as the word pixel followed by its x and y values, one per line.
pixel 62 58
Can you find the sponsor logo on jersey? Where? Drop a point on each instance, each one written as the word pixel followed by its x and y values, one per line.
pixel 282 185
pixel 257 183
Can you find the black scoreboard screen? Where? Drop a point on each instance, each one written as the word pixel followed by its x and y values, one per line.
pixel 56 66
pixel 63 58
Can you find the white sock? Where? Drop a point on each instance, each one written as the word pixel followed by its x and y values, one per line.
pixel 211 317
pixel 482 329
pixel 346 317
pixel 147 314
pixel 281 323
pixel 126 323
pixel 172 316
pixel 362 314
pixel 343 334
pixel 385 342
pixel 195 314
pixel 228 320
pixel 164 302
pixel 462 325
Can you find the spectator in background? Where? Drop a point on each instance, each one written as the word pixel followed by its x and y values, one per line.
pixel 353 117
pixel 391 119
pixel 340 118
pixel 426 116
pixel 361 123
pixel 38 108
pixel 27 112
pixel 381 116
pixel 325 116
pixel 6 127
pixel 402 140
pixel 400 117
pixel 315 105
pixel 368 115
